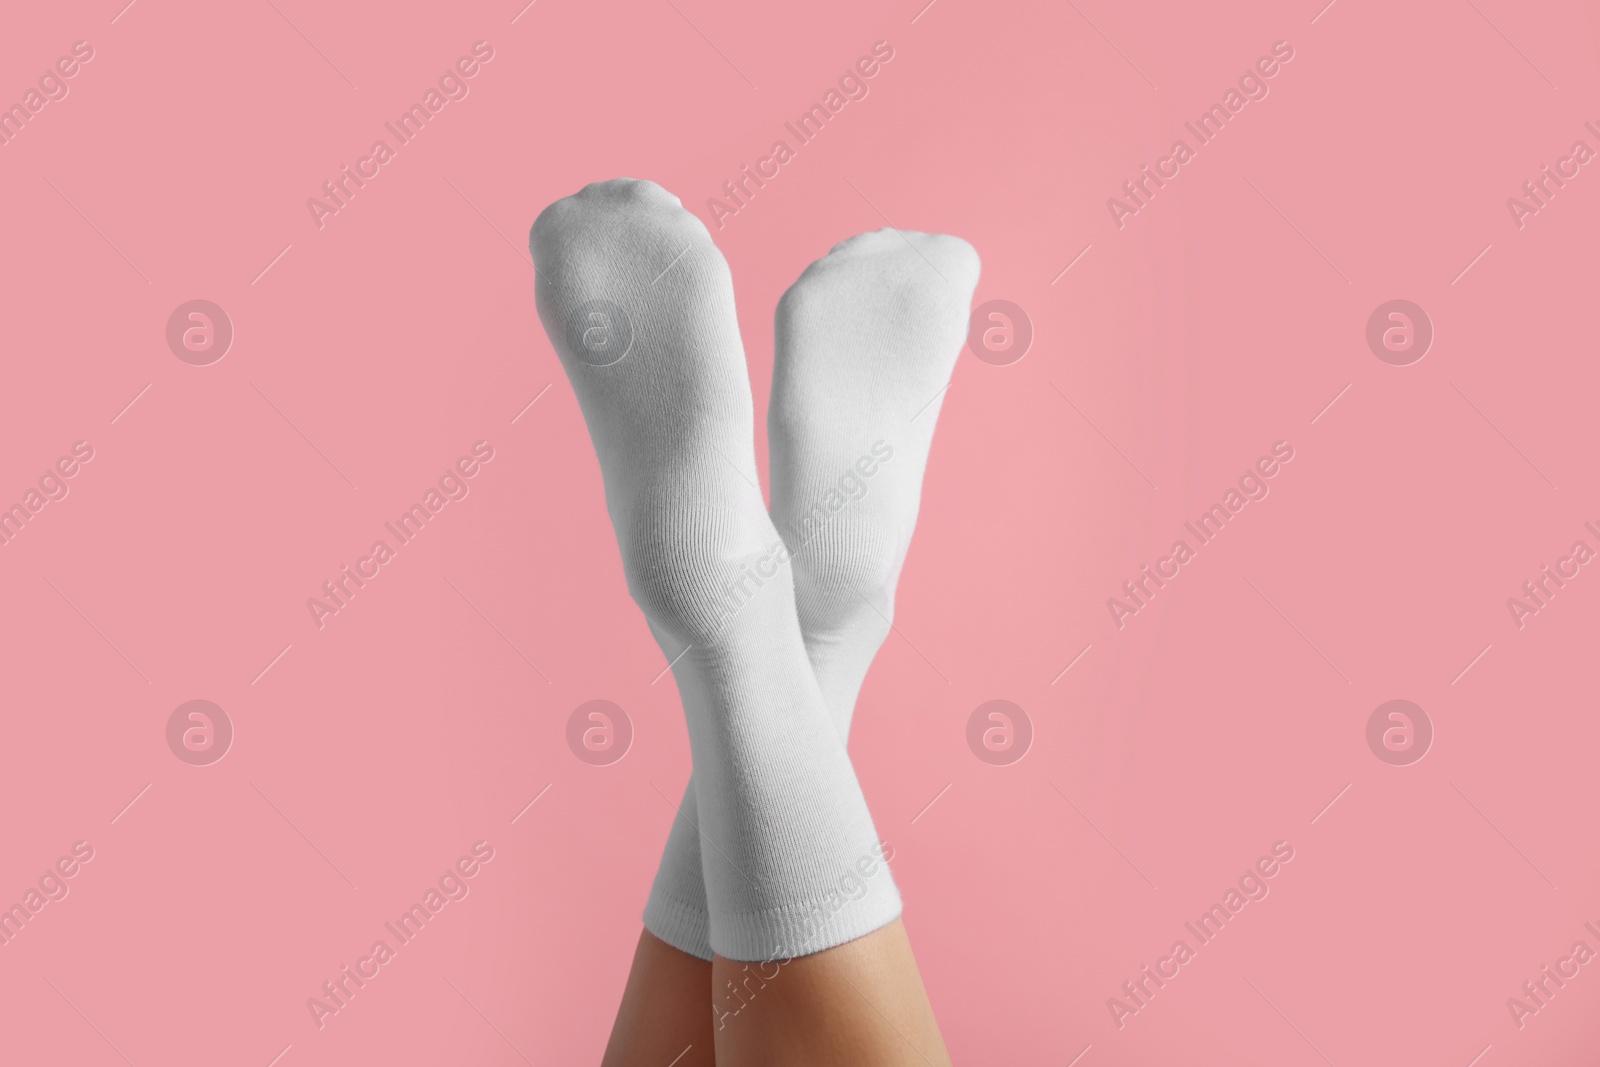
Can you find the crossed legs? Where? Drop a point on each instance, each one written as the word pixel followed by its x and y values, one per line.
pixel 773 871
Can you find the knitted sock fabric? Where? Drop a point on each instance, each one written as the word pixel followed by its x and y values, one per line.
pixel 638 304
pixel 866 342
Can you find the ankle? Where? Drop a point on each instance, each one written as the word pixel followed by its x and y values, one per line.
pixel 693 569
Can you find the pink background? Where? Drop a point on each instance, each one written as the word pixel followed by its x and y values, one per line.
pixel 425 716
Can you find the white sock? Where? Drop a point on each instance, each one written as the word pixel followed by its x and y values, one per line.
pixel 866 342
pixel 638 303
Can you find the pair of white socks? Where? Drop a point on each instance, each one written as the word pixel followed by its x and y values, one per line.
pixel 770 621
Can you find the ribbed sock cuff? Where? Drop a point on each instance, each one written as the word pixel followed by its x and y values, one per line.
pixel 804 929
pixel 685 928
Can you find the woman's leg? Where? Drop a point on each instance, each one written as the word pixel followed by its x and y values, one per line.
pixel 778 799
pixel 663 1019
pixel 866 343
pixel 859 1003
pixel 639 305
